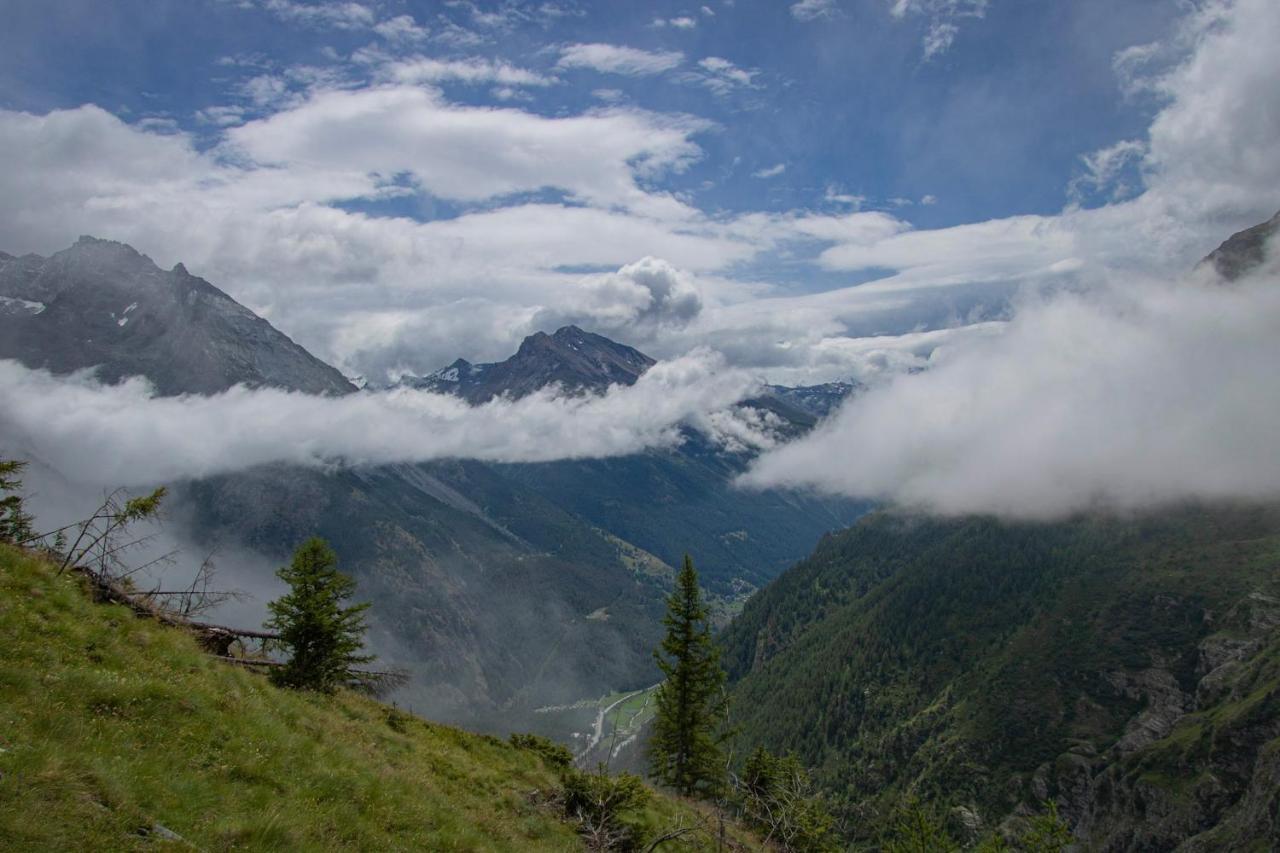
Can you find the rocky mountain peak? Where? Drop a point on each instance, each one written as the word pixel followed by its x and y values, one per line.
pixel 575 359
pixel 101 303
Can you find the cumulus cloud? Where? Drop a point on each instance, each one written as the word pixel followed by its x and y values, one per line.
pixel 1121 397
pixel 618 59
pixel 770 171
pixel 126 436
pixel 640 298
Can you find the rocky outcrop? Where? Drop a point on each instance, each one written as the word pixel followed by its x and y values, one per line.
pixel 1194 770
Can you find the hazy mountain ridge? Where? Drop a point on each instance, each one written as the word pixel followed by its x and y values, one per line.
pixel 107 306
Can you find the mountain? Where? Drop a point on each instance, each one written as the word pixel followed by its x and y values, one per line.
pixel 103 304
pixel 1243 251
pixel 817 401
pixel 571 358
pixel 155 744
pixel 665 501
pixel 1127 668
pixel 504 588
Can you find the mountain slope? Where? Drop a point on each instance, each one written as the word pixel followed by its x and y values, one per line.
pixel 120 734
pixel 1243 251
pixel 102 304
pixel 668 501
pixel 482 591
pixel 1126 668
pixel 503 588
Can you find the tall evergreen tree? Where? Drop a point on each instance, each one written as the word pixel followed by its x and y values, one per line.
pixel 685 750
pixel 324 637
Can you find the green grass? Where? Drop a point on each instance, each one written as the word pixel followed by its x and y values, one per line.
pixel 110 725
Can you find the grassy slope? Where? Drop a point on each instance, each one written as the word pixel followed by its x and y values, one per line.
pixel 954 658
pixel 110 724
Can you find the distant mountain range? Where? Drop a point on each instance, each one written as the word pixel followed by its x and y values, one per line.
pixel 503 587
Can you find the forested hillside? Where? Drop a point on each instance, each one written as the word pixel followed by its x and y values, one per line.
pixel 1128 669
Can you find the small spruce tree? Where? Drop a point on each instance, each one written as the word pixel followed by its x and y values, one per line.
pixel 684 752
pixel 15 522
pixel 324 637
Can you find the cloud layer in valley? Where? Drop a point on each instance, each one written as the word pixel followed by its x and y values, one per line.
pixel 124 435
pixel 1129 395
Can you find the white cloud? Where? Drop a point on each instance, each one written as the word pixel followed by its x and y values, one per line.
pixel 402 29
pixel 943 18
pixel 618 59
pixel 939 38
pixel 472 154
pixel 123 435
pixel 338 14
pixel 683 22
pixel 222 116
pixel 1103 168
pixel 1120 398
pixel 719 75
pixel 812 10
pixel 474 70
pixel 770 172
pixel 638 300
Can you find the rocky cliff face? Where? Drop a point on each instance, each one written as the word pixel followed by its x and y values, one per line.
pixel 1198 769
pixel 102 304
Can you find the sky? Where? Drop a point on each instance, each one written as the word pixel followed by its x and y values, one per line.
pixel 398 184
pixel 1011 193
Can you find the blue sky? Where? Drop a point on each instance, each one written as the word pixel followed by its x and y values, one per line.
pixel 398 183
pixel 991 126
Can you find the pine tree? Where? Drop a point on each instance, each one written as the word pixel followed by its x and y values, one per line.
pixel 15 522
pixel 685 750
pixel 323 636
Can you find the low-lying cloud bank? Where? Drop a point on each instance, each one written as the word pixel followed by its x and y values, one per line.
pixel 124 435
pixel 1127 396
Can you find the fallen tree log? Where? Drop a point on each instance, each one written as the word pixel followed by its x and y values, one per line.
pixel 217 639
